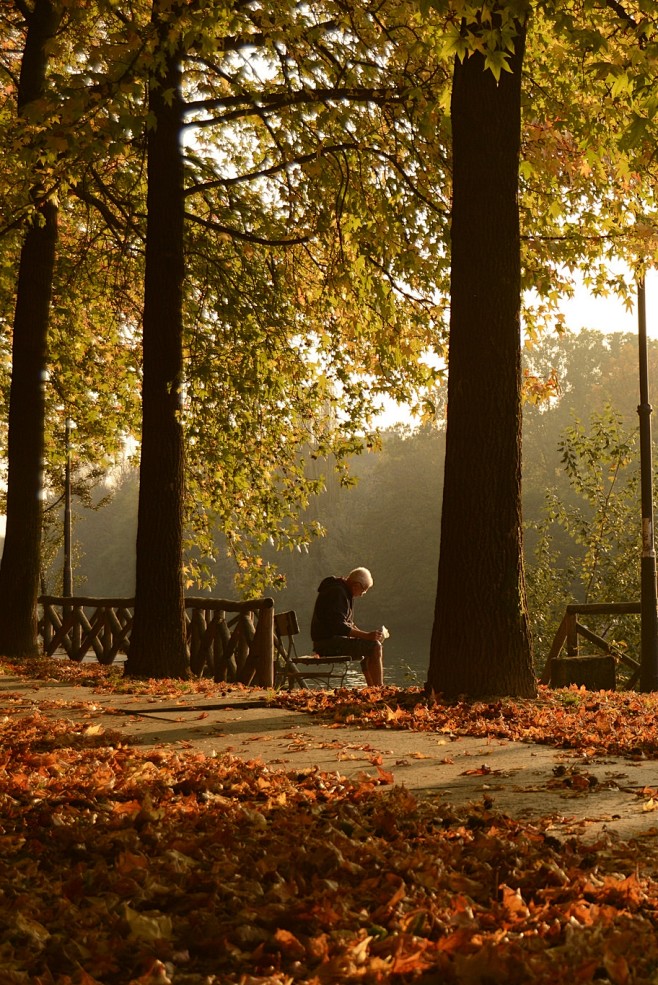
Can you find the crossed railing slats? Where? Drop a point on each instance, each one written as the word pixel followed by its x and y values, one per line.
pixel 229 640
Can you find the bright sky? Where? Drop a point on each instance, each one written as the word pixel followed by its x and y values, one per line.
pixel 584 310
pixel 608 314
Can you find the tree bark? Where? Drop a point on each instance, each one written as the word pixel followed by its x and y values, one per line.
pixel 21 557
pixel 480 641
pixel 158 647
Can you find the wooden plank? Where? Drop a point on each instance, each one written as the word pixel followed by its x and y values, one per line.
pixel 229 605
pixel 120 629
pixel 196 626
pixel 554 652
pixel 572 635
pixel 52 617
pixel 224 669
pixel 592 637
pixel 296 670
pixel 310 660
pixel 607 647
pixel 570 629
pixel 115 633
pixel 262 646
pixel 85 601
pixel 594 672
pixel 191 602
pixel 91 628
pixel 61 637
pixel 603 608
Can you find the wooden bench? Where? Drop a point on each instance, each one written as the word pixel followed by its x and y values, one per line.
pixel 291 668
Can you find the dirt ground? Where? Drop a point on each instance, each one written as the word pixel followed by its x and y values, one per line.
pixel 523 780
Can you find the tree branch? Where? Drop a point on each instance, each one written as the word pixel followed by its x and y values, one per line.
pixel 302 159
pixel 622 13
pixel 237 106
pixel 12 75
pixel 118 204
pixel 82 192
pixel 268 172
pixel 24 9
pixel 245 236
pixel 14 224
pixel 396 286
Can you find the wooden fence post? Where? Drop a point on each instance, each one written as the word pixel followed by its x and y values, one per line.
pixel 264 645
pixel 572 634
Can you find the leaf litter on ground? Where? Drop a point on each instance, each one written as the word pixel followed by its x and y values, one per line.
pixel 121 866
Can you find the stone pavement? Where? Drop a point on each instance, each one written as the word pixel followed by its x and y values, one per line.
pixel 526 781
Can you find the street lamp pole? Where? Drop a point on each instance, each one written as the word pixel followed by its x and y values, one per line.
pixel 649 598
pixel 67 575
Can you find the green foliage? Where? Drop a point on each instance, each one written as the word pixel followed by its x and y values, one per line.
pixel 549 580
pixel 311 153
pixel 489 28
pixel 573 537
pixel 318 161
pixel 63 138
pixel 602 522
pixel 587 196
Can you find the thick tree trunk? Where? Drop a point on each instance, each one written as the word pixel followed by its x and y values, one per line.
pixel 480 640
pixel 21 557
pixel 157 647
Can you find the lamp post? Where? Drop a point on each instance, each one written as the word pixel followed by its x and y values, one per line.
pixel 649 598
pixel 67 574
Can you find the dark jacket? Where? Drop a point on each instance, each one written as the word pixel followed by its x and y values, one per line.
pixel 332 615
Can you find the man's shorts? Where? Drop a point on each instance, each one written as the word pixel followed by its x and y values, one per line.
pixel 345 646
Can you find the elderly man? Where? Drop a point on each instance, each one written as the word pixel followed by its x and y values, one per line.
pixel 333 630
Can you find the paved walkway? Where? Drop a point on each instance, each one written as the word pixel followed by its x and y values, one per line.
pixel 524 780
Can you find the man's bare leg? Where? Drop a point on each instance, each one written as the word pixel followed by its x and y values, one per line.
pixel 373 667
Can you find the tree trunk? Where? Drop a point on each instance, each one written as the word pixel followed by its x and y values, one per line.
pixel 480 640
pixel 21 556
pixel 158 647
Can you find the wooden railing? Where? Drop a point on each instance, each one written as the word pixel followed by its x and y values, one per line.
pixel 571 629
pixel 228 640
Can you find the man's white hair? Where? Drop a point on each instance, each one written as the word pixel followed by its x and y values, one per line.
pixel 362 576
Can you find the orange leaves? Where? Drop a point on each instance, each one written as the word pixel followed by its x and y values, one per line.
pixel 289 944
pixel 622 723
pixel 417 957
pixel 123 866
pixel 513 904
pixel 616 966
pixel 156 974
pixel 478 771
